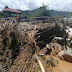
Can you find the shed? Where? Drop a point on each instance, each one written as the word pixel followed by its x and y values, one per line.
pixel 11 11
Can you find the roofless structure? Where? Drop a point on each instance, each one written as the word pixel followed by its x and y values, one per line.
pixel 10 12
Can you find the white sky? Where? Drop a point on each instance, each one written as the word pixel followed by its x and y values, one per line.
pixel 61 5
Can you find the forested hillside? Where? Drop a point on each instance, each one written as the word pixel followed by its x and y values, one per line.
pixel 43 11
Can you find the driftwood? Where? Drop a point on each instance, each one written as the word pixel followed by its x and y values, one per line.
pixel 41 66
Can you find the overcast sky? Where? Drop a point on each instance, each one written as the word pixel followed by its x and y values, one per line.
pixel 61 5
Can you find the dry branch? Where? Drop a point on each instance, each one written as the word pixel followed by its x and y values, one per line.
pixel 41 66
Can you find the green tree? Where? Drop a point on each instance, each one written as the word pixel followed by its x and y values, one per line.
pixel 6 14
pixel 1 14
pixel 5 7
pixel 42 11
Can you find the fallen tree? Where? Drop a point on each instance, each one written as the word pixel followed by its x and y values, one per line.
pixel 46 32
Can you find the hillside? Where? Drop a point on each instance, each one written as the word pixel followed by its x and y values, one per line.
pixel 53 13
pixel 42 11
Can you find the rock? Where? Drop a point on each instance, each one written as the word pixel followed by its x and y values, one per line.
pixel 66 55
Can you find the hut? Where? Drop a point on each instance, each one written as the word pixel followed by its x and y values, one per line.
pixel 11 12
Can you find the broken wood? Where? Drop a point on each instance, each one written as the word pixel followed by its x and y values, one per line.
pixel 41 66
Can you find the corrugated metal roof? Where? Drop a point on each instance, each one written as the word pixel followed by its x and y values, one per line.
pixel 12 10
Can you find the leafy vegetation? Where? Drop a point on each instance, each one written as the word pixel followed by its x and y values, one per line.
pixel 1 14
pixel 5 7
pixel 61 14
pixel 42 11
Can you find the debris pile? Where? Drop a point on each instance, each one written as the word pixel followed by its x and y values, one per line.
pixel 32 48
pixel 46 32
pixel 9 44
